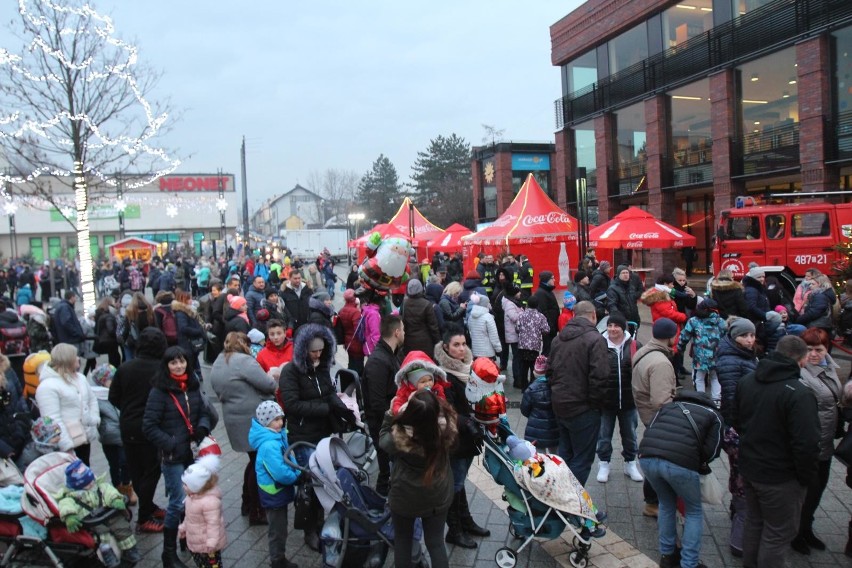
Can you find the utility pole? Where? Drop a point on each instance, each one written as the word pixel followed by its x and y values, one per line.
pixel 245 194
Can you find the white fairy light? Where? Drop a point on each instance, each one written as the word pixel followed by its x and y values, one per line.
pixel 120 205
pixel 222 205
pixel 171 211
pixel 10 207
pixel 68 212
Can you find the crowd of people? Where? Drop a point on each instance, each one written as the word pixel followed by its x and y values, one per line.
pixel 764 389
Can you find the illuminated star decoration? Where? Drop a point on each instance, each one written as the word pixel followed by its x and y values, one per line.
pixel 171 211
pixel 221 205
pixel 68 212
pixel 10 207
pixel 120 205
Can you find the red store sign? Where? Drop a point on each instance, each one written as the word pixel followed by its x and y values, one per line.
pixel 194 183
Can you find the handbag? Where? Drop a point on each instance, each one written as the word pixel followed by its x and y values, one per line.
pixel 304 513
pixel 197 344
pixel 843 451
pixel 10 474
pixel 711 491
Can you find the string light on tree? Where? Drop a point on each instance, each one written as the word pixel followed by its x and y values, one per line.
pixel 74 104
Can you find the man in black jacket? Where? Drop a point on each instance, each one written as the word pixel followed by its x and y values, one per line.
pixel 622 295
pixel 580 366
pixel 296 295
pixel 380 387
pixel 66 326
pixel 129 394
pixel 548 306
pixel 776 417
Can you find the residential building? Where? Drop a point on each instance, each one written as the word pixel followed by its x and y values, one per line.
pixel 299 208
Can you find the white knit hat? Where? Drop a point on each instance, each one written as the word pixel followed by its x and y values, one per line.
pixel 199 473
pixel 256 336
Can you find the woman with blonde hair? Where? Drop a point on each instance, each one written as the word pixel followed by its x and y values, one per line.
pixel 241 385
pixel 450 307
pixel 64 396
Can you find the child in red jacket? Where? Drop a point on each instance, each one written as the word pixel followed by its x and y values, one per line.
pixel 567 313
pixel 417 372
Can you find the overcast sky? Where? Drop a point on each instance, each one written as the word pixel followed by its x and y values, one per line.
pixel 318 85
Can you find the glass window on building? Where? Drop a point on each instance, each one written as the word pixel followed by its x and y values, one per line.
pixel 842 40
pixel 37 249
pixel 581 72
pixel 94 248
pixel 54 248
pixel 691 142
pixel 584 144
pixel 631 157
pixel 629 48
pixel 743 7
pixel 490 202
pixel 770 109
pixel 686 20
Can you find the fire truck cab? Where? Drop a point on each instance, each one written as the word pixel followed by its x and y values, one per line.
pixel 790 238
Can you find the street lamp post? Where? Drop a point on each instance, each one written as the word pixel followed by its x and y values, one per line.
pixel 9 208
pixel 222 206
pixel 582 211
pixel 120 205
pixel 354 217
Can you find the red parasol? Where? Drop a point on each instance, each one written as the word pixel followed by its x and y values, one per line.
pixel 637 229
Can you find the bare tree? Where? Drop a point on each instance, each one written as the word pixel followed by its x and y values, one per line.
pixel 73 107
pixel 337 188
pixel 492 134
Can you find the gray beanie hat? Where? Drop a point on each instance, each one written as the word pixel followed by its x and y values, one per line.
pixel 740 326
pixel 267 411
pixel 414 288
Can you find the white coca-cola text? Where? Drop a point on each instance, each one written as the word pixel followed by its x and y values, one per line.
pixel 644 236
pixel 551 217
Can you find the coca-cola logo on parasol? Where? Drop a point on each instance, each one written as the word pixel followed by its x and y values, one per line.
pixel 644 236
pixel 634 245
pixel 551 217
pixel 504 220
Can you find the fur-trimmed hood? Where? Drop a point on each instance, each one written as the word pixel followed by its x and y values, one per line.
pixel 654 295
pixel 304 336
pixel 412 361
pixel 319 306
pixel 185 308
pixel 723 285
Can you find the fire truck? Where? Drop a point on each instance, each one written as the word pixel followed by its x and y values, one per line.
pixel 784 239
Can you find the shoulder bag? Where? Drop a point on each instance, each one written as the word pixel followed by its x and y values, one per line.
pixel 711 491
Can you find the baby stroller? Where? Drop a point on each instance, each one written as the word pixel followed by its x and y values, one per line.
pixel 538 507
pixel 56 546
pixel 358 530
pixel 358 440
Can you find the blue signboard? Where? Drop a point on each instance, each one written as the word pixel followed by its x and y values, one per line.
pixel 530 162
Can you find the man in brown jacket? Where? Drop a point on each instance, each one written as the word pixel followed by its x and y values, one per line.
pixel 654 385
pixel 579 362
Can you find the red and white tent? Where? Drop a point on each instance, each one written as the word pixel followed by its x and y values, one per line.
pixel 450 241
pixel 636 229
pixel 424 229
pixel 535 226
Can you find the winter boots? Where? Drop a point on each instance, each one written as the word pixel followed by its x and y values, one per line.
pixel 170 556
pixel 456 534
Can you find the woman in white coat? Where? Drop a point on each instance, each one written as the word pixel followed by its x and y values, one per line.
pixel 63 394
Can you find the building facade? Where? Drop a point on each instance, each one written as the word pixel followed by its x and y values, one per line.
pixel 184 211
pixel 682 106
pixel 499 170
pixel 299 208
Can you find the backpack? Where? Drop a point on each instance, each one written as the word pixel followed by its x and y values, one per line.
pixel 110 283
pixel 360 333
pixel 137 280
pixel 14 341
pixel 168 325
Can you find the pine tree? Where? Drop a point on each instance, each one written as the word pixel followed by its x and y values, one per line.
pixel 379 190
pixel 442 181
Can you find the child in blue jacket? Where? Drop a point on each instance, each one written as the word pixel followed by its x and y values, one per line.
pixel 542 428
pixel 275 478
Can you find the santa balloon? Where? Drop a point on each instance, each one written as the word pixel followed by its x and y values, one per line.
pixel 386 265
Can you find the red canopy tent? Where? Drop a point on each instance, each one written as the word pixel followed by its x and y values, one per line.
pixel 535 226
pixel 635 229
pixel 450 241
pixel 407 215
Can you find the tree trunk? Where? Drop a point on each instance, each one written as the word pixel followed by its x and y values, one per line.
pixel 84 249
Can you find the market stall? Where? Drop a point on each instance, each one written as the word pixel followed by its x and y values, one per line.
pixel 450 242
pixel 532 225
pixel 133 248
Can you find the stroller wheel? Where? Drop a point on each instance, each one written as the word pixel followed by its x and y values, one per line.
pixel 505 558
pixel 578 559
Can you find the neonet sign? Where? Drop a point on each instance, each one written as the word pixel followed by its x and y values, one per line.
pixel 194 183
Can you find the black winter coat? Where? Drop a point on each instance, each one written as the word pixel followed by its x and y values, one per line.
pixel 164 425
pixel 14 418
pixel 622 297
pixel 421 325
pixel 685 302
pixel 670 435
pixel 297 305
pixel 732 363
pixel 618 389
pixel 817 310
pixel 730 297
pixel 307 390
pixel 598 283
pixel 549 307
pixel 379 382
pixel 777 419
pixel 582 293
pixel 233 321
pixel 757 302
pixel 578 358
pixel 133 382
pixel 105 332
pixel 188 327
pixel 537 406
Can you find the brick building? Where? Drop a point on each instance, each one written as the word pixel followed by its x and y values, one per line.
pixel 681 107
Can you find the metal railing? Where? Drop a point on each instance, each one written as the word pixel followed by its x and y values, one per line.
pixel 758 31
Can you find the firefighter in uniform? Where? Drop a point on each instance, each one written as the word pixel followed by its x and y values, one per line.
pixel 524 277
pixel 488 271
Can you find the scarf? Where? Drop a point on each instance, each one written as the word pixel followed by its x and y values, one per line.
pixel 181 380
pixel 459 369
pixel 244 316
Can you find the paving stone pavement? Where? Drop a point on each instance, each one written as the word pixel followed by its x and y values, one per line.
pixel 631 540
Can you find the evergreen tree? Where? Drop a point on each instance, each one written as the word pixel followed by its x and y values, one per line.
pixel 379 191
pixel 442 181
